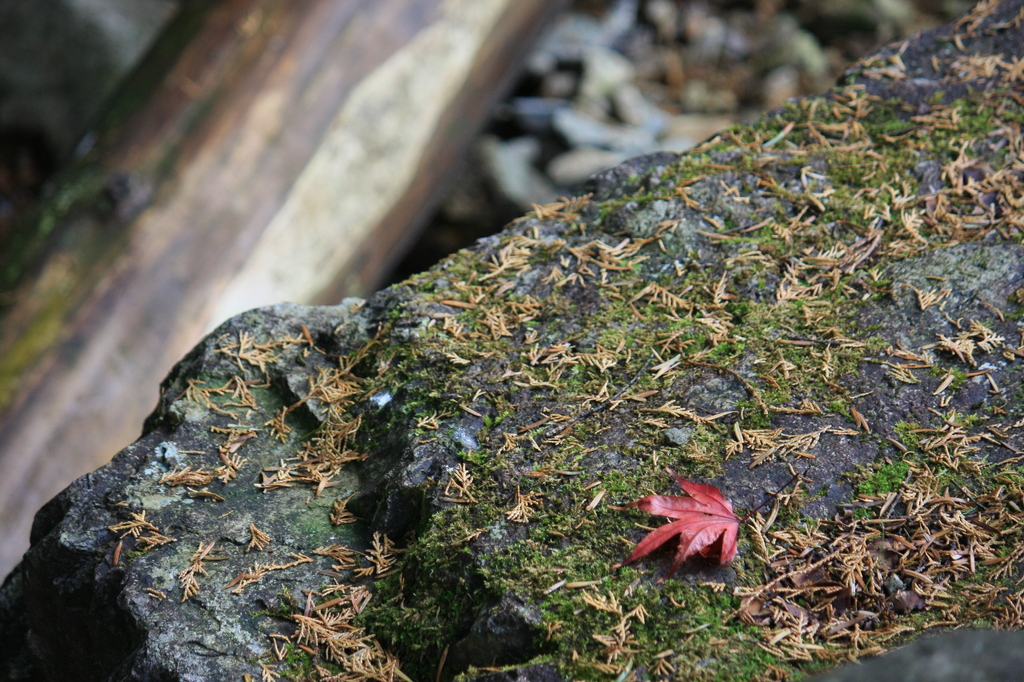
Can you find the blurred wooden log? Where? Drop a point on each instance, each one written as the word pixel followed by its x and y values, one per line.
pixel 288 151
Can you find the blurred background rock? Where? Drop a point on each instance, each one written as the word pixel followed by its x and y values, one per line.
pixel 615 79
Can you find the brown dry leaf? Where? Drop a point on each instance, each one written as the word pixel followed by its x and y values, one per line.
pixel 906 601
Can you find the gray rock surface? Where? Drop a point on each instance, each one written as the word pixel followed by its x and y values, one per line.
pixel 678 436
pixel 438 480
pixel 965 656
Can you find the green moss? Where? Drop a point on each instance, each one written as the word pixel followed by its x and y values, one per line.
pixel 959 376
pixel 41 335
pixel 724 351
pixel 433 597
pixel 905 434
pixel 285 607
pixel 876 344
pixel 969 420
pixel 752 414
pixel 885 480
pixel 840 407
pixel 739 310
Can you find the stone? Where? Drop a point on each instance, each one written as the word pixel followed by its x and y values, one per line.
pixel 664 14
pixel 793 46
pixel 618 21
pixel 581 129
pixel 887 18
pixel 677 437
pixel 961 656
pixel 700 97
pixel 604 70
pixel 781 84
pixel 560 84
pixel 630 106
pixel 510 164
pixel 439 478
pixel 535 114
pixel 501 635
pixel 710 40
pixel 805 52
pixel 688 130
pixel 568 37
pixel 694 18
pixel 737 40
pixel 572 168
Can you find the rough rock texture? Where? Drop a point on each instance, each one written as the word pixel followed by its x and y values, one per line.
pixel 957 657
pixel 818 313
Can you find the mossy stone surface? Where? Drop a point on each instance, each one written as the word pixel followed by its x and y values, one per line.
pixel 831 292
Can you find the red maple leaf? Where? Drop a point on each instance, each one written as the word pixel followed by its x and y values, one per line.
pixel 706 524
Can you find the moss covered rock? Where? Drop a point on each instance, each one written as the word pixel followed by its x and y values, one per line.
pixel 434 482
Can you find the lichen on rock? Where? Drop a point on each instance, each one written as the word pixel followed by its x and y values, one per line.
pixel 433 482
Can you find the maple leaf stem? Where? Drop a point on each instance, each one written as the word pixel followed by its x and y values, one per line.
pixel 774 495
